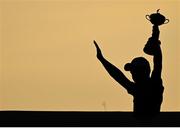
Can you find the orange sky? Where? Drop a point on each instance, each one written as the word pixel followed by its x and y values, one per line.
pixel 48 59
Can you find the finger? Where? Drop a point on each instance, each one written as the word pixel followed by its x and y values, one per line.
pixel 96 45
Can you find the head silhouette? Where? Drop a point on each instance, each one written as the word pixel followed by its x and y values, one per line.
pixel 139 68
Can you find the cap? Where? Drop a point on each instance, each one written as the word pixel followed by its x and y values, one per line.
pixel 137 63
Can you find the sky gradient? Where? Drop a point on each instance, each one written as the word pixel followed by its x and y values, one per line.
pixel 48 59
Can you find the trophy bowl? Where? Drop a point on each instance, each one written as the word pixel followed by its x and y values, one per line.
pixel 157 18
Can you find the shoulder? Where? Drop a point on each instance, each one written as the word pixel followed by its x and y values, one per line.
pixel 156 80
pixel 157 84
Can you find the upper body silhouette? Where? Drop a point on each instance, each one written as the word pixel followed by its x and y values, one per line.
pixel 146 89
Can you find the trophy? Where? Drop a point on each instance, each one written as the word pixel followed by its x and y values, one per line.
pixel 157 18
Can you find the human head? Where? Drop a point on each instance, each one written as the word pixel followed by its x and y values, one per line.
pixel 139 68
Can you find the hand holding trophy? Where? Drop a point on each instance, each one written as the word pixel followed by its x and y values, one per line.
pixel 153 42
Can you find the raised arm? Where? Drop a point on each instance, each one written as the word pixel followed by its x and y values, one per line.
pixel 113 71
pixel 157 59
pixel 157 56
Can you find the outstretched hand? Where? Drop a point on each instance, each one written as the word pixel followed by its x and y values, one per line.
pixel 99 53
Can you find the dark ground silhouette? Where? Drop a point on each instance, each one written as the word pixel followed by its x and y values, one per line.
pixel 147 89
pixel 90 119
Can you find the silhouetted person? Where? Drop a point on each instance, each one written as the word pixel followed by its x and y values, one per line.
pixel 146 89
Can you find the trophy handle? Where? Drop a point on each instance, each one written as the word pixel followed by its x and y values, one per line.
pixel 167 21
pixel 148 17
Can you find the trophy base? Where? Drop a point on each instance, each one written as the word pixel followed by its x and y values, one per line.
pixel 157 23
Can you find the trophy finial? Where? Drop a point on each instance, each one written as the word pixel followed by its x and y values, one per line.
pixel 158 10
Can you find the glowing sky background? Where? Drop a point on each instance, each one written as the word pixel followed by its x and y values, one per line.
pixel 48 59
